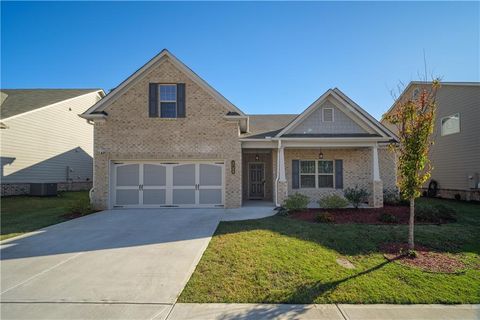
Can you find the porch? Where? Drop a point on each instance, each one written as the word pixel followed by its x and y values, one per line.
pixel 315 172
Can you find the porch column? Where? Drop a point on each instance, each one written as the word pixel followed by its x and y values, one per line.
pixel 376 195
pixel 282 185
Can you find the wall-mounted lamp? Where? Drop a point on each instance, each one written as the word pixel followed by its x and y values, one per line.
pixel 232 166
pixel 320 155
pixel 257 157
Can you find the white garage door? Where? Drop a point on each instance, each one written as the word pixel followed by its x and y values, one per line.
pixel 156 184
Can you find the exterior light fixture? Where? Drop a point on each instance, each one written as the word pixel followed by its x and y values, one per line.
pixel 257 157
pixel 320 155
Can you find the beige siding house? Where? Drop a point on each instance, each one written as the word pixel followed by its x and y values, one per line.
pixel 43 140
pixel 455 155
pixel 165 138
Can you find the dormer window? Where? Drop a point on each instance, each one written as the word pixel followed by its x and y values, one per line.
pixel 168 100
pixel 327 115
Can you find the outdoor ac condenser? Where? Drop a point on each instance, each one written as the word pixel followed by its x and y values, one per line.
pixel 43 189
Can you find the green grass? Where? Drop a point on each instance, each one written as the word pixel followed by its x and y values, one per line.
pixel 281 260
pixel 24 214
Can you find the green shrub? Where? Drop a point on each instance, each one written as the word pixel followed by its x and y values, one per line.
pixel 333 202
pixel 80 207
pixel 296 202
pixel 356 195
pixel 434 213
pixel 324 217
pixel 388 218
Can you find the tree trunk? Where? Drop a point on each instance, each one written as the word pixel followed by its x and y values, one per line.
pixel 411 245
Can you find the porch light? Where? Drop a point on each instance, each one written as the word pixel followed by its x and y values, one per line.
pixel 320 155
pixel 257 157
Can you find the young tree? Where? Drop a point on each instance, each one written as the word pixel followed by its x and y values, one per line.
pixel 414 119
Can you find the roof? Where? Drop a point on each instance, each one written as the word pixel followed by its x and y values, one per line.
pixel 263 125
pixel 18 101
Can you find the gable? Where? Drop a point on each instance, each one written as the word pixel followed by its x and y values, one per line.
pixel 341 124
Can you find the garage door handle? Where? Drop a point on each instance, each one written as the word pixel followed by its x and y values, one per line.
pixel 140 187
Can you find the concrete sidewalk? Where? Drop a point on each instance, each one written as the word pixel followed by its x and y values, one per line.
pixel 193 311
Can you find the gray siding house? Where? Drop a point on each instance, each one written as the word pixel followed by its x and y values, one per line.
pixel 43 140
pixel 164 137
pixel 455 155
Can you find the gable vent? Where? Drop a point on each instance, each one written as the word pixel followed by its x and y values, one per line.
pixel 327 115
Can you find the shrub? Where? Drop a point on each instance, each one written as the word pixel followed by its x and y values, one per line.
pixel 296 202
pixel 324 217
pixel 80 207
pixel 356 195
pixel 434 213
pixel 388 218
pixel 333 202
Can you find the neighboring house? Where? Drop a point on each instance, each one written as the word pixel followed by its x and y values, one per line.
pixel 455 155
pixel 43 140
pixel 164 137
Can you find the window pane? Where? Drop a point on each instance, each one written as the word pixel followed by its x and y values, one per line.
pixel 325 181
pixel 325 166
pixel 307 166
pixel 451 124
pixel 168 93
pixel 307 181
pixel 168 110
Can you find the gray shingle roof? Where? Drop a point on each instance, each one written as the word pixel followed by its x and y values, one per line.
pixel 17 101
pixel 264 125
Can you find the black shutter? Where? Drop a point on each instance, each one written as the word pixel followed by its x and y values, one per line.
pixel 338 174
pixel 153 100
pixel 181 100
pixel 295 174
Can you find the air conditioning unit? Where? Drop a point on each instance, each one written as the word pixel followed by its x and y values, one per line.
pixel 43 189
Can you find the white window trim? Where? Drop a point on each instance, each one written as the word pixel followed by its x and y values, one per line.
pixel 168 101
pixel 449 116
pixel 323 114
pixel 316 174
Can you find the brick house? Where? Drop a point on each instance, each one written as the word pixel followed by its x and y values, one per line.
pixel 164 137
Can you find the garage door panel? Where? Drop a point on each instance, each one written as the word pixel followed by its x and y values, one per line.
pixel 184 175
pixel 154 196
pixel 184 196
pixel 210 196
pixel 210 175
pixel 154 175
pixel 127 197
pixel 128 175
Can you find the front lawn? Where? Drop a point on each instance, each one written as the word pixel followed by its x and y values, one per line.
pixel 282 260
pixel 24 214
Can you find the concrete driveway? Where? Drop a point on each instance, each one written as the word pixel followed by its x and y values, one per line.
pixel 113 264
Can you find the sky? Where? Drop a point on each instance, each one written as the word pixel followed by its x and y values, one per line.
pixel 265 57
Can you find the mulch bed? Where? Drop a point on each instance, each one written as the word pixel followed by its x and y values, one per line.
pixel 360 215
pixel 426 259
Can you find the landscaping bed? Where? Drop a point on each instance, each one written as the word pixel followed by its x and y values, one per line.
pixel 396 215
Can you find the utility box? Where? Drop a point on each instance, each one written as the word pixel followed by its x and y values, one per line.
pixel 43 189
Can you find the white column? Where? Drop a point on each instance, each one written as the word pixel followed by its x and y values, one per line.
pixel 281 163
pixel 376 169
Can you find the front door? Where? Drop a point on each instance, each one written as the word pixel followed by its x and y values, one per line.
pixel 256 185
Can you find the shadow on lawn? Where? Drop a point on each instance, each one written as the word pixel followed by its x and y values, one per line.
pixel 308 293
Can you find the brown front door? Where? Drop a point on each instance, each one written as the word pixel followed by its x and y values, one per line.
pixel 256 184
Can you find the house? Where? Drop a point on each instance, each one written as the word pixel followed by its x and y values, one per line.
pixel 43 140
pixel 164 137
pixel 455 155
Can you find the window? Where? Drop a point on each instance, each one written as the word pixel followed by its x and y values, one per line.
pixel 168 100
pixel 327 115
pixel 325 174
pixel 316 174
pixel 450 124
pixel 307 174
pixel 415 94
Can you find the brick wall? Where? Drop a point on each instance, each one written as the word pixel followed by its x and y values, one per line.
pixel 129 134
